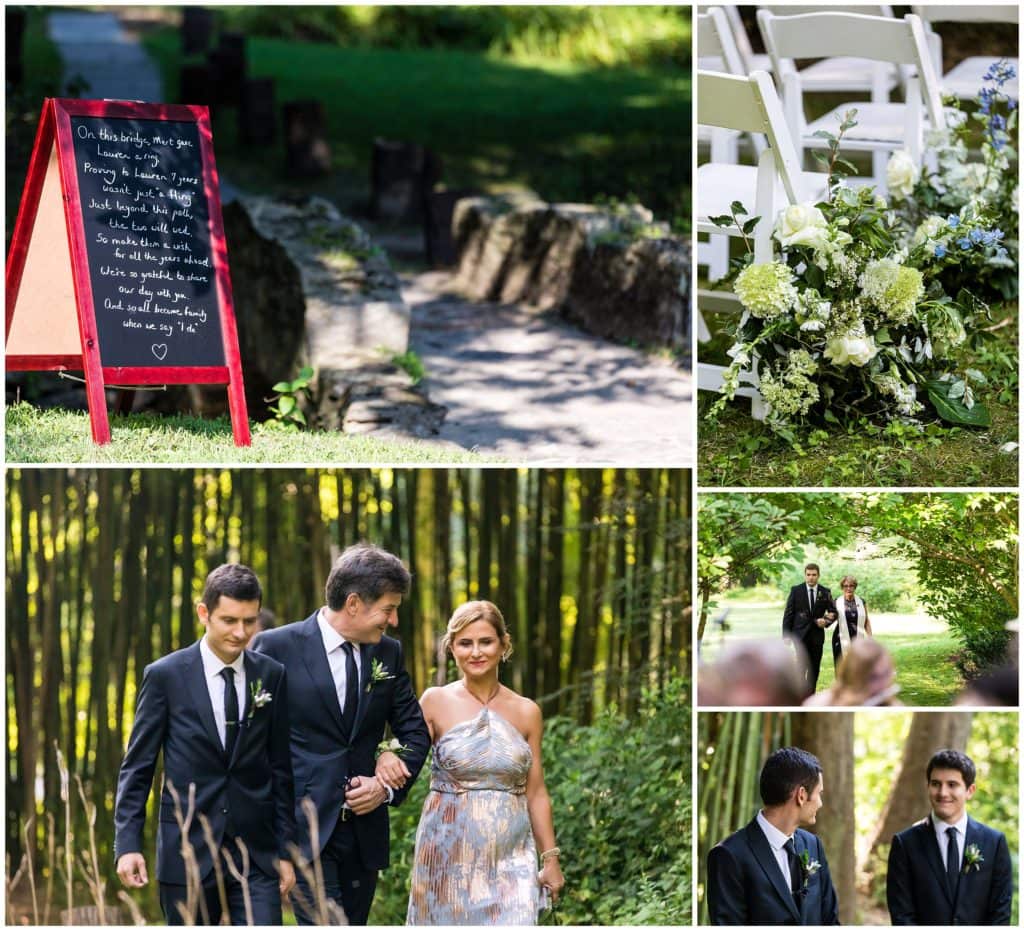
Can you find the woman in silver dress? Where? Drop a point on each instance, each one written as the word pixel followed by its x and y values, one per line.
pixel 488 812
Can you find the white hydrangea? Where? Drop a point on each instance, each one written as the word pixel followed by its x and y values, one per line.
pixel 766 289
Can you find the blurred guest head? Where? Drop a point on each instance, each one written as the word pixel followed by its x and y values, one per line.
pixel 754 673
pixel 866 676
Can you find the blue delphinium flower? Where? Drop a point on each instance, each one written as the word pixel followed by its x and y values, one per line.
pixel 952 221
pixel 964 243
pixel 940 252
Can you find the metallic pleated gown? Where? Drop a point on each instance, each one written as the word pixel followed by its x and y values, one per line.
pixel 475 861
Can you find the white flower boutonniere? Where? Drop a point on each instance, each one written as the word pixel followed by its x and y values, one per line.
pixel 808 867
pixel 260 696
pixel 973 858
pixel 378 673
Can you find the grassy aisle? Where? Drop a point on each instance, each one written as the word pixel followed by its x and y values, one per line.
pixel 920 647
pixel 55 435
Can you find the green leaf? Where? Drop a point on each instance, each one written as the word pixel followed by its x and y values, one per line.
pixel 282 386
pixel 286 405
pixel 737 207
pixel 749 226
pixel 952 410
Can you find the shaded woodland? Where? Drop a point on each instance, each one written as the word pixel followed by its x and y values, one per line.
pixel 590 567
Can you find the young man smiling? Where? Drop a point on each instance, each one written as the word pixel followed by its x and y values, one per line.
pixel 219 715
pixel 949 869
pixel 771 872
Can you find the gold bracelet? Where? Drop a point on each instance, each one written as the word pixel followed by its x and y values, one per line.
pixel 548 854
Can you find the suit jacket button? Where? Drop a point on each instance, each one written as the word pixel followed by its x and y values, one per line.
pixel 223 811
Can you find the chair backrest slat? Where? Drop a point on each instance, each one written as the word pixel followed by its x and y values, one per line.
pixel 877 38
pixel 714 38
pixel 980 13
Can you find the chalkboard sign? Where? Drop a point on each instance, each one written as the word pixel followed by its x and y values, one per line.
pixel 147 232
pixel 118 264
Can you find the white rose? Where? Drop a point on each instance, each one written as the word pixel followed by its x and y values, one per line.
pixel 929 229
pixel 851 350
pixel 801 225
pixel 901 173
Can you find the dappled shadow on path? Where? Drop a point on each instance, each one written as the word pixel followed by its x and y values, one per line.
pixel 529 387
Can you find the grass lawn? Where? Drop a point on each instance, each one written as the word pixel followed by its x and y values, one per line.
pixel 920 647
pixel 568 131
pixel 738 450
pixel 56 435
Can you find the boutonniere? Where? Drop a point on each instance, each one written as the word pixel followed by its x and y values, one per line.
pixel 808 868
pixel 260 697
pixel 378 673
pixel 973 858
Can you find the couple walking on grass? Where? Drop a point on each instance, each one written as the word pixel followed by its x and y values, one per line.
pixel 277 776
pixel 947 869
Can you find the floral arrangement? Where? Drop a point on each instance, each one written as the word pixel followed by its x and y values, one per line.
pixel 933 204
pixel 850 320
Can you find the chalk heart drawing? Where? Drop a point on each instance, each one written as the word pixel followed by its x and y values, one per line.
pixel 159 350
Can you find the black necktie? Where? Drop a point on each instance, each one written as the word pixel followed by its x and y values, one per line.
pixel 795 873
pixel 810 598
pixel 952 861
pixel 348 713
pixel 230 710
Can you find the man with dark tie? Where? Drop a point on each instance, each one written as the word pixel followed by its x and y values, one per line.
pixel 949 869
pixel 347 681
pixel 772 872
pixel 809 610
pixel 219 715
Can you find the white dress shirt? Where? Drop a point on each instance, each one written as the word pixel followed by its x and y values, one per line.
pixel 336 656
pixel 940 826
pixel 336 661
pixel 777 840
pixel 212 667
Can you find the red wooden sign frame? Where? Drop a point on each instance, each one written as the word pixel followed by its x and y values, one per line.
pixel 55 129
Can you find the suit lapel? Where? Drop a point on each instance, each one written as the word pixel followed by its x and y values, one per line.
pixel 367 654
pixel 971 836
pixel 316 662
pixel 932 853
pixel 198 691
pixel 766 860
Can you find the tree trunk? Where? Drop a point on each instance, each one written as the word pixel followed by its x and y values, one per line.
pixel 830 738
pixel 908 797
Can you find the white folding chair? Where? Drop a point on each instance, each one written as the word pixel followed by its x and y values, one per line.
pixel 749 105
pixel 714 45
pixel 963 80
pixel 842 74
pixel 881 127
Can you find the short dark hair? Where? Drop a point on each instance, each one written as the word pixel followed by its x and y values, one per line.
pixel 812 565
pixel 785 770
pixel 367 571
pixel 232 580
pixel 953 759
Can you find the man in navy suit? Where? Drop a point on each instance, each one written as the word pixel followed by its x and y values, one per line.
pixel 219 714
pixel 810 608
pixel 771 872
pixel 346 682
pixel 949 869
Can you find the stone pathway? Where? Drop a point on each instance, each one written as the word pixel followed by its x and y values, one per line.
pixel 95 47
pixel 529 388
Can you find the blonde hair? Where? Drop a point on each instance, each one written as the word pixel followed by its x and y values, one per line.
pixel 469 613
pixel 855 668
pixel 848 578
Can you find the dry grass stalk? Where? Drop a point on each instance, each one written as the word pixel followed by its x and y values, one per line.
pixel 29 850
pixel 91 868
pixel 12 884
pixel 138 919
pixel 217 872
pixel 51 864
pixel 242 877
pixel 69 836
pixel 195 901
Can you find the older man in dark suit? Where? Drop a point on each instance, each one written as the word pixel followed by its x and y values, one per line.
pixel 347 681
